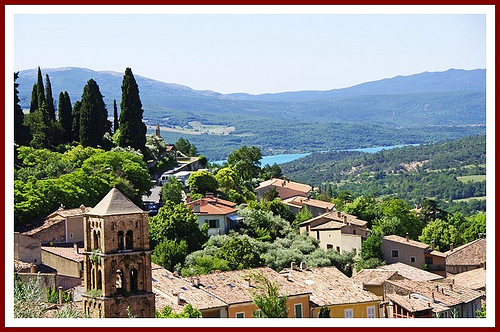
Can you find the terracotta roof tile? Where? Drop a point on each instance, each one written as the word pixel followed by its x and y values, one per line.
pixel 414 303
pixel 70 212
pixel 374 277
pixel 472 253
pixel 329 225
pixel 402 240
pixel 214 206
pixel 305 188
pixel 300 201
pixel 337 216
pixel 166 286
pixel 47 223
pixel 411 272
pixel 329 286
pixel 66 252
pixel 473 279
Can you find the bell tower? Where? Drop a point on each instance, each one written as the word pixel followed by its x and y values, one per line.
pixel 117 260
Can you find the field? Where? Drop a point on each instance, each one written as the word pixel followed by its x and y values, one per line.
pixel 197 128
pixel 482 198
pixel 471 178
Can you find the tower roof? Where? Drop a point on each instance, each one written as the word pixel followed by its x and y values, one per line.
pixel 114 203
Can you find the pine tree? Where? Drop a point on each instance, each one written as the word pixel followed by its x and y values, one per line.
pixel 93 116
pixel 21 132
pixel 48 99
pixel 132 129
pixel 75 127
pixel 115 117
pixel 64 116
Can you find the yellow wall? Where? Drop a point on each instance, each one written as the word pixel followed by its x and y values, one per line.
pixel 359 310
pixel 249 307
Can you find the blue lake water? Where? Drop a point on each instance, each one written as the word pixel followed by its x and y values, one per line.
pixel 284 158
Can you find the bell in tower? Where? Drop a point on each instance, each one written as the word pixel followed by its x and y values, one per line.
pixel 117 260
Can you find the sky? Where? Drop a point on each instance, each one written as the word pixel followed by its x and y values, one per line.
pixel 253 53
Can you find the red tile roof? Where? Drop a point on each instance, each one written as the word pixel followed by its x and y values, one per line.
pixel 337 216
pixel 305 188
pixel 65 252
pixel 473 279
pixel 472 253
pixel 299 201
pixel 374 277
pixel 70 212
pixel 411 272
pixel 402 240
pixel 47 223
pixel 214 206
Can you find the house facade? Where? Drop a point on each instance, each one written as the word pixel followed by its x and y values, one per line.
pixel 219 214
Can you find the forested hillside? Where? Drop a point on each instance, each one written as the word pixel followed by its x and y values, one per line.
pixel 447 171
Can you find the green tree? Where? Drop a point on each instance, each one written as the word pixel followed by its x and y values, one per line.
pixel 481 313
pixel 227 179
pixel 324 312
pixel 172 191
pixel 267 298
pixel 187 312
pixel 371 252
pixel 365 208
pixel 176 222
pixel 115 117
pixel 442 233
pixel 269 172
pixel 202 182
pixel 75 126
pixel 303 215
pixel 21 132
pixel 186 148
pixel 476 226
pixel 169 253
pixel 205 264
pixel 34 99
pixel 49 100
pixel 239 254
pixel 132 130
pixel 93 116
pixel 28 298
pixel 65 115
pixel 246 162
pixel 40 91
pixel 40 128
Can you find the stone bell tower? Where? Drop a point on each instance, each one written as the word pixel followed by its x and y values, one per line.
pixel 117 260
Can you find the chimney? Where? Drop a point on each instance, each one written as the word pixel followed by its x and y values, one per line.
pixel 433 297
pixel 339 214
pixel 407 237
pixel 292 266
pixel 60 295
pixel 302 266
pixel 249 281
pixel 179 302
pixel 82 208
pixel 345 219
pixel 432 245
pixel 196 282
pixel 75 246
pixel 33 268
pixel 451 246
pixel 196 207
pixel 209 195
pixel 289 277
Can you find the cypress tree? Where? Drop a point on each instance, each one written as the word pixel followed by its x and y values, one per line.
pixel 40 128
pixel 132 129
pixel 48 99
pixel 115 117
pixel 93 116
pixel 21 132
pixel 34 99
pixel 40 92
pixel 75 127
pixel 65 117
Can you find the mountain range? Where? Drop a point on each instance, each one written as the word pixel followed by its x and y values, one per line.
pixel 429 101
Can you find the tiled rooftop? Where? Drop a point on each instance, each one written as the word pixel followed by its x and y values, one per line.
pixel 305 188
pixel 214 206
pixel 167 287
pixel 373 277
pixel 402 240
pixel 299 201
pixel 337 216
pixel 329 286
pixel 447 294
pixel 70 212
pixel 46 224
pixel 411 272
pixel 413 303
pixel 472 253
pixel 473 279
pixel 66 252
pixel 329 225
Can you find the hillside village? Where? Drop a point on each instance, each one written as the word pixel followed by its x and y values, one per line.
pixel 156 231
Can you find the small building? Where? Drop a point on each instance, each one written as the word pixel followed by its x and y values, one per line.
pixel 411 272
pixel 61 226
pixel 473 279
pixel 373 279
pixel 221 215
pixel 236 289
pixel 316 207
pixel 27 249
pixel 468 257
pixel 67 261
pixel 447 298
pixel 399 249
pixel 284 187
pixel 331 288
pixel 416 306
pixel 336 230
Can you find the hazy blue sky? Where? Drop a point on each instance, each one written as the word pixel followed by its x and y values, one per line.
pixel 253 53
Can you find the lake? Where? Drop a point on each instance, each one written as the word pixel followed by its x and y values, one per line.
pixel 284 158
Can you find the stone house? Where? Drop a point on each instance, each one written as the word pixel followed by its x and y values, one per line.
pixel 336 230
pixel 284 187
pixel 468 257
pixel 27 249
pixel 373 279
pixel 67 260
pixel 411 272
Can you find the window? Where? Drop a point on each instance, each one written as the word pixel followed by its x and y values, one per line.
pixel 119 281
pixel 240 315
pixel 338 249
pixel 329 246
pixel 129 240
pixel 120 240
pixel 412 259
pixel 348 313
pixel 354 231
pixel 428 260
pixel 395 253
pixel 71 235
pixel 214 223
pixel 370 312
pixel 133 279
pixel 298 310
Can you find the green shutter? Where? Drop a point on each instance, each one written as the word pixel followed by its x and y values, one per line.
pixel 217 223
